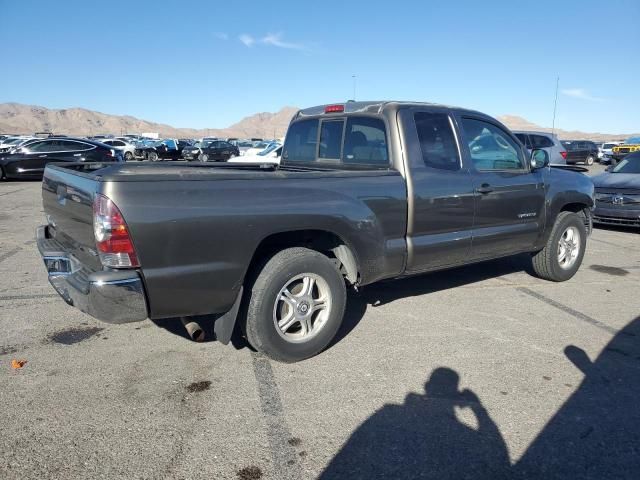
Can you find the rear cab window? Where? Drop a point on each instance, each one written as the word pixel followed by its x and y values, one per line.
pixel 343 142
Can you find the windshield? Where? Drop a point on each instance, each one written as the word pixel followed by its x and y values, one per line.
pixel 609 145
pixel 269 149
pixel 632 141
pixel 630 164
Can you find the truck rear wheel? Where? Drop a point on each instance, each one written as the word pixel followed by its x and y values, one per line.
pixel 295 306
pixel 562 256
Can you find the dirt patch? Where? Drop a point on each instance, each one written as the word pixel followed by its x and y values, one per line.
pixel 249 473
pixel 615 271
pixel 73 335
pixel 7 349
pixel 295 442
pixel 199 386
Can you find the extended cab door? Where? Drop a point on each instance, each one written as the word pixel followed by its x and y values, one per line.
pixel 509 197
pixel 440 191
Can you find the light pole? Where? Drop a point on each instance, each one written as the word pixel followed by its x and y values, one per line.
pixel 354 87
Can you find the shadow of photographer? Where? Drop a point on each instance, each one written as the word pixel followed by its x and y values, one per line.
pixel 594 435
pixel 422 438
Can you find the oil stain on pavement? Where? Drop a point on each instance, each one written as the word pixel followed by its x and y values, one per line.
pixel 615 271
pixel 69 336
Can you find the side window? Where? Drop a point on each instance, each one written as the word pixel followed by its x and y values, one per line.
pixel 540 141
pixel 331 139
pixel 365 142
pixel 39 147
pixel 437 141
pixel 71 146
pixel 300 144
pixel 524 139
pixel 491 148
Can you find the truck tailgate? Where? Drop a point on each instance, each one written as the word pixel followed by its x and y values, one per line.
pixel 67 197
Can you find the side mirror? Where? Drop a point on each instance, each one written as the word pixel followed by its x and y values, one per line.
pixel 539 159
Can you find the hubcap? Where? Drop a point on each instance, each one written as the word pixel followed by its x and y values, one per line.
pixel 302 307
pixel 568 248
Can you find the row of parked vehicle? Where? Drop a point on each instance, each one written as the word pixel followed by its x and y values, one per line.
pixel 572 152
pixel 26 156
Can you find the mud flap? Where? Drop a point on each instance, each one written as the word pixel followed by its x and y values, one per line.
pixel 223 326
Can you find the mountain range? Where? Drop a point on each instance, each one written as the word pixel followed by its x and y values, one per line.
pixel 20 118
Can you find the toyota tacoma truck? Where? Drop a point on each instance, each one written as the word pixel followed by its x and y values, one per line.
pixel 365 191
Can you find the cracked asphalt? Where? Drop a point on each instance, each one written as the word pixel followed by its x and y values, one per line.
pixel 480 372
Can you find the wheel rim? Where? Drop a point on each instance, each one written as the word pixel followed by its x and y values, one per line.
pixel 589 160
pixel 568 248
pixel 128 156
pixel 302 307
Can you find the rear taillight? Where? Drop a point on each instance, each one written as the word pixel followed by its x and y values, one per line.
pixel 564 155
pixel 113 240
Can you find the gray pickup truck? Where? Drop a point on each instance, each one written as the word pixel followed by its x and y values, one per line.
pixel 365 191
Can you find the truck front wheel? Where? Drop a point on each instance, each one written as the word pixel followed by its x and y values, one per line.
pixel 562 256
pixel 295 306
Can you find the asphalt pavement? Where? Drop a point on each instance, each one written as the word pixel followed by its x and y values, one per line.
pixel 479 372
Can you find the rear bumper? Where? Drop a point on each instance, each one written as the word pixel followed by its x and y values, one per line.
pixel 110 296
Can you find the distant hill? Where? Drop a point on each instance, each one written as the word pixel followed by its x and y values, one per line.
pixel 19 118
pixel 518 123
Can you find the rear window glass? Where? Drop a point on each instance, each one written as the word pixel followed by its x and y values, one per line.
pixel 331 139
pixel 365 142
pixel 540 141
pixel 300 145
pixel 361 142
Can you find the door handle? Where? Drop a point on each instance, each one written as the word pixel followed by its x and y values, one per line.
pixel 42 156
pixel 484 188
pixel 77 154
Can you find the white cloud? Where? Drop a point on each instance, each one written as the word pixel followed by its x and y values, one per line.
pixel 582 94
pixel 275 40
pixel 248 40
pixel 221 35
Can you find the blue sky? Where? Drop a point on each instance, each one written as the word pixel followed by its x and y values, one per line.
pixel 208 63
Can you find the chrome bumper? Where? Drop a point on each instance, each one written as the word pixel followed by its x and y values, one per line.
pixel 110 296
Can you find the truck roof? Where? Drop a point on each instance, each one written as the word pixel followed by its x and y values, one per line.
pixel 376 106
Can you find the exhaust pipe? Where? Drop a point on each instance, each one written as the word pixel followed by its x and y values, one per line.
pixel 194 330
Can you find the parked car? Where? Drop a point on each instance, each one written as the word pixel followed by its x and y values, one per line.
pixel 618 193
pixel 127 149
pixel 12 142
pixel 630 145
pixel 580 151
pixel 272 154
pixel 605 151
pixel 256 148
pixel 168 149
pixel 365 191
pixel 216 151
pixel 29 160
pixel 547 141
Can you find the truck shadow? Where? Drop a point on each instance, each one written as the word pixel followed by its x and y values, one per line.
pixel 386 292
pixel 594 435
pixel 379 294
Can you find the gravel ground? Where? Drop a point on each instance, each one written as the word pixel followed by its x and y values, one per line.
pixel 479 372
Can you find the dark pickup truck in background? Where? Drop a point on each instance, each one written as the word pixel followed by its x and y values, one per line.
pixel 365 192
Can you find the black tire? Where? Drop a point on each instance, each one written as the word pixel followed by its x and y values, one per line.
pixel 128 156
pixel 203 157
pixel 589 160
pixel 2 176
pixel 546 264
pixel 261 304
pixel 152 156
